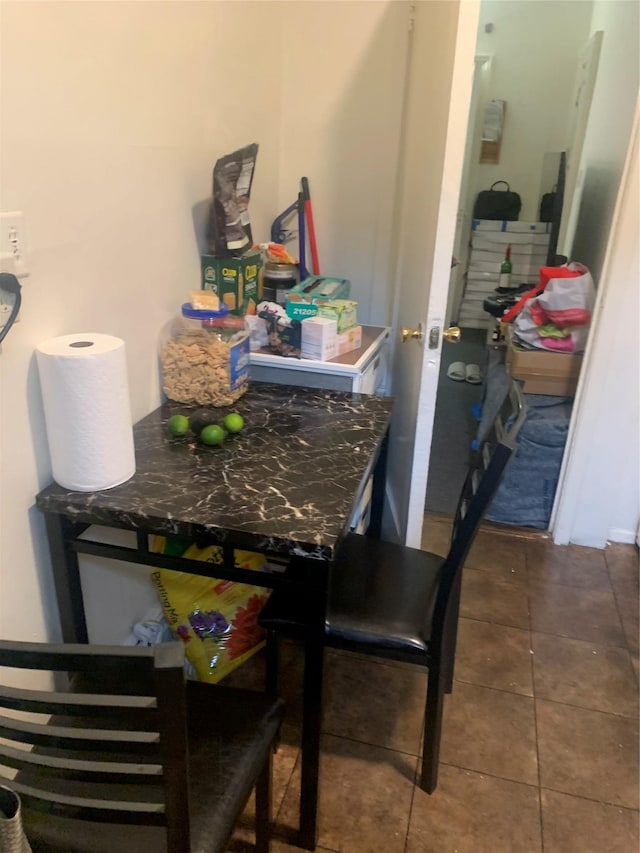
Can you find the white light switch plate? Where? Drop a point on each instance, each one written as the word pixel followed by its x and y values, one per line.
pixel 13 244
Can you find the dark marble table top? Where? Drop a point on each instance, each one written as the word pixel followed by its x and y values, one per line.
pixel 288 483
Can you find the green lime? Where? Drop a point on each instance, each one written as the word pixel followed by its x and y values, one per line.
pixel 178 425
pixel 212 434
pixel 233 422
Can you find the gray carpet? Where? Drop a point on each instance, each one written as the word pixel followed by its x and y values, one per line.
pixel 454 427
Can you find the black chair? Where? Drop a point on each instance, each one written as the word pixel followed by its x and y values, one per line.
pixel 402 603
pixel 127 756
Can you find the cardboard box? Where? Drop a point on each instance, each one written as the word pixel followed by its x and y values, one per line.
pixel 236 281
pixel 517 227
pixel 319 338
pixel 322 287
pixel 349 340
pixel 303 298
pixel 544 372
pixel 343 311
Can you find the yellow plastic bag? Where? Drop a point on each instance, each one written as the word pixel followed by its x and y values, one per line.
pixel 217 620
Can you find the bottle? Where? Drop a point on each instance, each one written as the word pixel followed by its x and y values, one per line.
pixel 505 270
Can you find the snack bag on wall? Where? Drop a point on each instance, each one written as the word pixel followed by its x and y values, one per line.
pixel 217 620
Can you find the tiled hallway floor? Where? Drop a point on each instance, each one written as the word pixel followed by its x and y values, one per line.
pixel 540 737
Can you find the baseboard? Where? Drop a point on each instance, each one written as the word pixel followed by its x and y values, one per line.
pixel 619 534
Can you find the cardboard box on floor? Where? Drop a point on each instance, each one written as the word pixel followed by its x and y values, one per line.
pixel 542 371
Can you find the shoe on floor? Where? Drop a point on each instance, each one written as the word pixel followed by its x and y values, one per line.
pixel 457 371
pixel 472 374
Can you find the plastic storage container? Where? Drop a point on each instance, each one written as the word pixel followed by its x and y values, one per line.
pixel 278 281
pixel 204 357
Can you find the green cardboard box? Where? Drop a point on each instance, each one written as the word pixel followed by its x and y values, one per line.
pixel 302 299
pixel 236 281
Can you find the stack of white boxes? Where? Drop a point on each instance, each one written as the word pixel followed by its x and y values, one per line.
pixel 529 243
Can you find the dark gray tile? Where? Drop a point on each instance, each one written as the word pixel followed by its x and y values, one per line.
pixel 588 753
pixel 491 600
pixel 494 656
pixel 622 562
pixel 571 824
pixel 365 797
pixel 473 813
pixel 583 614
pixel 572 565
pixel 374 702
pixel 500 554
pixel 581 673
pixel 490 731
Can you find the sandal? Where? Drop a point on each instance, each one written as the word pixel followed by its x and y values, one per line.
pixel 456 371
pixel 472 374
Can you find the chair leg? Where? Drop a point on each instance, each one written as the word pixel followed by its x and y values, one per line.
pixel 263 807
pixel 432 729
pixel 271 684
pixel 451 633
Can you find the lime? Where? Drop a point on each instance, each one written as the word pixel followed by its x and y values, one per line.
pixel 212 434
pixel 178 425
pixel 233 422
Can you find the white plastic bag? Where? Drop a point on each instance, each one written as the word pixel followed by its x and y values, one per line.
pixel 559 318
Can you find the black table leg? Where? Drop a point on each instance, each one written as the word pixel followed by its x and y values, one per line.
pixel 66 577
pixel 314 643
pixel 311 727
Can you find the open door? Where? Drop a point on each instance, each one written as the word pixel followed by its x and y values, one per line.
pixel 439 85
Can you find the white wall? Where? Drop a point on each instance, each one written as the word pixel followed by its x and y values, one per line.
pixel 344 67
pixel 113 115
pixel 602 470
pixel 602 498
pixel 534 47
pixel 610 122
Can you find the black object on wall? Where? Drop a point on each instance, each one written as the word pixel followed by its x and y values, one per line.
pixel 556 214
pixel 9 287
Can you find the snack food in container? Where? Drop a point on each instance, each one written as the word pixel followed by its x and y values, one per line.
pixel 204 357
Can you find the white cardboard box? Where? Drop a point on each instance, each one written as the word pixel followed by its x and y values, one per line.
pixel 319 338
pixel 516 227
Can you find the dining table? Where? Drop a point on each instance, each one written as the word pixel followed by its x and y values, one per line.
pixel 288 486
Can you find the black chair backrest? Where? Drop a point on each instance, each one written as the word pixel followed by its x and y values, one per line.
pixel 487 467
pixel 113 757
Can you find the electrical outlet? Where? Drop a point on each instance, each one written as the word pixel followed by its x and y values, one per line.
pixel 13 244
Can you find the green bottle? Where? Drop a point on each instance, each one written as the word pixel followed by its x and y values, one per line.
pixel 506 269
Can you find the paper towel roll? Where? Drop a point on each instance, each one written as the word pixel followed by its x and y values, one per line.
pixel 87 411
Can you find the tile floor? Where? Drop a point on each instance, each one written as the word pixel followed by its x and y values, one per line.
pixel 540 742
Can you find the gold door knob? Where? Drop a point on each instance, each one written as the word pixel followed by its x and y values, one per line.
pixel 411 333
pixel 452 334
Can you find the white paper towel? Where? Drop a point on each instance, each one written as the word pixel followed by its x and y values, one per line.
pixel 87 411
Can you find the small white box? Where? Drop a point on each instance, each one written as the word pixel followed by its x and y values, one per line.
pixel 319 338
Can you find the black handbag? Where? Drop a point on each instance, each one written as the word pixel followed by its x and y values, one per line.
pixel 497 204
pixel 547 206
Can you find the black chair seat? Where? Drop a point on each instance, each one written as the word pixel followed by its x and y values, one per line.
pixel 381 595
pixel 229 731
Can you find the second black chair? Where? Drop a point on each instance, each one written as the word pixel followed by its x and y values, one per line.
pixel 402 603
pixel 127 757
